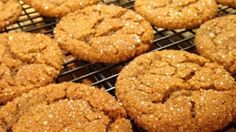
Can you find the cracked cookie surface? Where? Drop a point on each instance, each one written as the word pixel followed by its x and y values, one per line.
pixel 59 8
pixel 27 61
pixel 216 40
pixel 64 107
pixel 104 33
pixel 10 10
pixel 176 14
pixel 176 91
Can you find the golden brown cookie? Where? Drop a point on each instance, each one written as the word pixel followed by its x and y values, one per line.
pixel 27 61
pixel 176 91
pixel 104 33
pixel 216 40
pixel 10 10
pixel 176 14
pixel 64 107
pixel 59 8
pixel 231 3
pixel 234 105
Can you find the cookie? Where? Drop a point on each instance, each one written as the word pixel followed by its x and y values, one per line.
pixel 27 61
pixel 216 40
pixel 64 107
pixel 104 33
pixel 59 8
pixel 10 10
pixel 176 14
pixel 231 3
pixel 170 91
pixel 234 105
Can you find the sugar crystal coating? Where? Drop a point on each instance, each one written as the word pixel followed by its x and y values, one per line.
pixel 216 40
pixel 104 33
pixel 27 61
pixel 176 14
pixel 59 8
pixel 176 91
pixel 64 107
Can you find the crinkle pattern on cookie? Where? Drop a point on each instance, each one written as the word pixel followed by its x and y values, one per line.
pixel 27 61
pixel 104 33
pixel 59 8
pixel 176 91
pixel 10 10
pixel 216 40
pixel 64 107
pixel 176 14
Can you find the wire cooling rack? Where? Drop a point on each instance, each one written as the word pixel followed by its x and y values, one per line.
pixel 103 75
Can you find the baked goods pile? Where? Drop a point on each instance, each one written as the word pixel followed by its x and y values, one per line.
pixel 161 91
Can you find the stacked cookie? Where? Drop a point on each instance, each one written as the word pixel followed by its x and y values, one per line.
pixel 162 91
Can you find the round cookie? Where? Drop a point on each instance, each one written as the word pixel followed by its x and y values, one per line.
pixel 59 8
pixel 64 107
pixel 176 14
pixel 27 61
pixel 10 10
pixel 104 33
pixel 231 3
pixel 216 40
pixel 170 91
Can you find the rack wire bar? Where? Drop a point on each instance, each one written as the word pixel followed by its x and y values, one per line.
pixel 103 75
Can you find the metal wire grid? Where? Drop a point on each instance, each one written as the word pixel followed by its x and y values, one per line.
pixel 103 75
